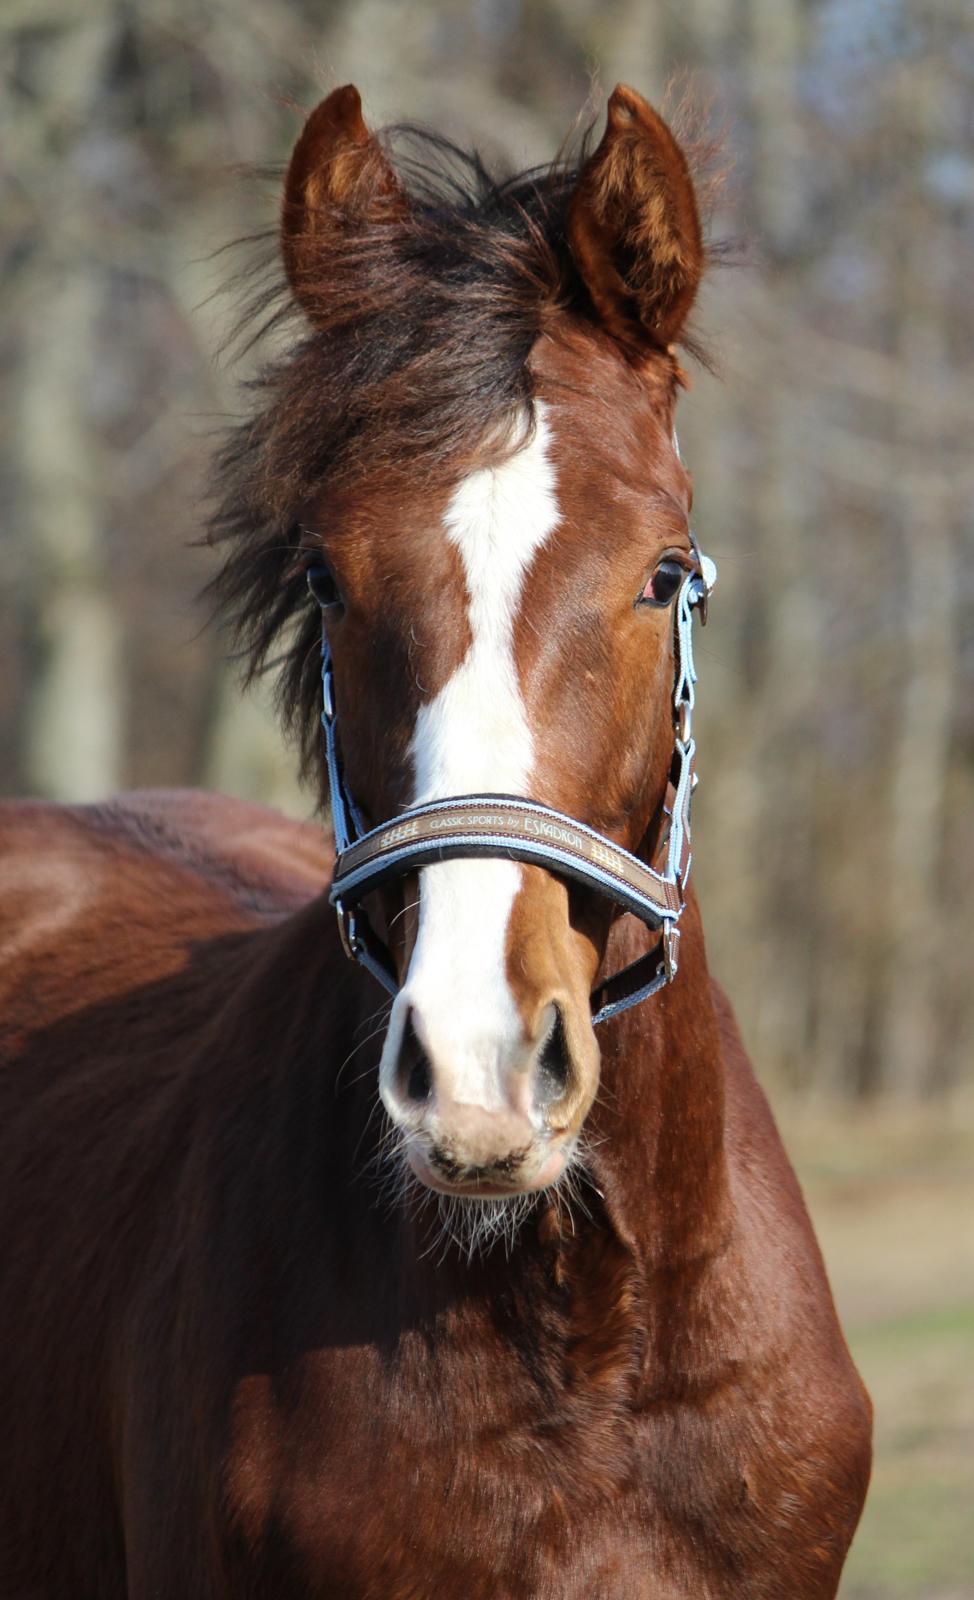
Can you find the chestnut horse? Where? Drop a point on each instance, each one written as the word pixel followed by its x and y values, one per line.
pixel 545 1317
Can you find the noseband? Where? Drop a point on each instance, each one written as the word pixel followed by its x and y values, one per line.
pixel 486 825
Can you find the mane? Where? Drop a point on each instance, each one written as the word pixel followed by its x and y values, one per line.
pixel 418 354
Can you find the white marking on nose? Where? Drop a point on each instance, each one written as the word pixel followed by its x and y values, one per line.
pixel 473 738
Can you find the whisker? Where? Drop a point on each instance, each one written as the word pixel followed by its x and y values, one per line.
pixel 411 907
pixel 471 1226
pixel 382 1010
pixel 376 1106
pixel 355 1050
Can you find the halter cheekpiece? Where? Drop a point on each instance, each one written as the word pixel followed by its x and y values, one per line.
pixel 514 828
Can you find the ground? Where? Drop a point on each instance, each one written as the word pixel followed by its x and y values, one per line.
pixel 891 1192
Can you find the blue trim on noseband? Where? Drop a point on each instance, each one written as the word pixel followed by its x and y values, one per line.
pixel 422 852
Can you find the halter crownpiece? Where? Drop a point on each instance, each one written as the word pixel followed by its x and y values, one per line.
pixel 486 825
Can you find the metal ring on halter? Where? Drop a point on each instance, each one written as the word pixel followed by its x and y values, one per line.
pixel 517 828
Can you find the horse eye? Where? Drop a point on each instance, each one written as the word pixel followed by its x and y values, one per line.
pixel 323 586
pixel 664 584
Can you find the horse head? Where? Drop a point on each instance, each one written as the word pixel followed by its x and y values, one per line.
pixel 474 453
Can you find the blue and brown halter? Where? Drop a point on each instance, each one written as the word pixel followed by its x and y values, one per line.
pixel 485 825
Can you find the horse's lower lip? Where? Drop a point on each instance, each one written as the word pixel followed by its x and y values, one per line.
pixel 536 1178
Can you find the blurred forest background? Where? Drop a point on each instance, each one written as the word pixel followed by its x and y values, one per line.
pixel 835 826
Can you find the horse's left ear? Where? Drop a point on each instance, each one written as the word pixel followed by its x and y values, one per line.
pixel 338 178
pixel 634 229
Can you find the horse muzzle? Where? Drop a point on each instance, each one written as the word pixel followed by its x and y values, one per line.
pixel 487 1114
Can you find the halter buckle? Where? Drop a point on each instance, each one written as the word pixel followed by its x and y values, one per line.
pixel 671 950
pixel 327 692
pixel 347 930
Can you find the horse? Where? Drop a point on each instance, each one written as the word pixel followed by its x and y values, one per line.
pixel 529 1307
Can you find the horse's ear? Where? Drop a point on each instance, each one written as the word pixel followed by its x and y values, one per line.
pixel 338 177
pixel 634 230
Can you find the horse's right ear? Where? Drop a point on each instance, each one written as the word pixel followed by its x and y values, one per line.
pixel 338 177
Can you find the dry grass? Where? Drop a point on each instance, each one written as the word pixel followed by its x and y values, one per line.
pixel 891 1191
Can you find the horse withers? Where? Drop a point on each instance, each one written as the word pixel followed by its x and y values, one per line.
pixel 530 1306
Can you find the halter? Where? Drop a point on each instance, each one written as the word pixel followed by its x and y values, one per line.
pixel 486 825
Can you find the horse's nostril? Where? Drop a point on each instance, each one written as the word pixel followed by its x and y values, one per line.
pixel 419 1084
pixel 554 1064
pixel 414 1068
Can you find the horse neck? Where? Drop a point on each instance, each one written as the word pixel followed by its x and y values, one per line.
pixel 656 1139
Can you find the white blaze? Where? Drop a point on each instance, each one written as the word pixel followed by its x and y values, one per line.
pixel 473 738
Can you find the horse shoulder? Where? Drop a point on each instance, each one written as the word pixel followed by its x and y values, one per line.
pixel 96 897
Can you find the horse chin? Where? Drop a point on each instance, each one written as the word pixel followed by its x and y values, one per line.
pixel 534 1174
